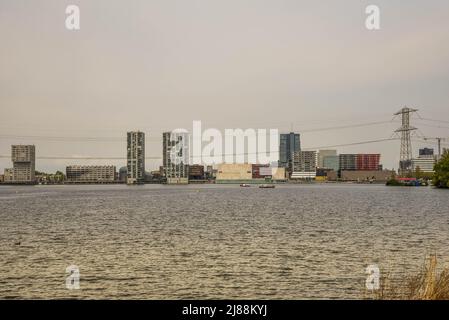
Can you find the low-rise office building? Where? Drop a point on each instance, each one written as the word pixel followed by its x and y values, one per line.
pixel 425 163
pixel 323 154
pixel 234 173
pixel 90 174
pixel 196 172
pixel 303 175
pixel 366 176
pixel 331 162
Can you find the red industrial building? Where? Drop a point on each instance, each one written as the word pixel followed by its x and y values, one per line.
pixel 367 162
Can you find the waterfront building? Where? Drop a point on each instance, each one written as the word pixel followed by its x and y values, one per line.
pixel 265 171
pixel 425 163
pixel 304 165
pixel 123 174
pixel 156 176
pixel 135 157
pixel 322 173
pixel 347 162
pixel 360 162
pixel 24 160
pixel 366 175
pixel 234 173
pixel 303 175
pixel 367 162
pixel 322 154
pixel 90 174
pixel 331 162
pixel 289 144
pixel 175 157
pixel 278 174
pixel 426 152
pixel 211 173
pixel 196 172
pixel 8 175
pixel 261 171
pixel 304 161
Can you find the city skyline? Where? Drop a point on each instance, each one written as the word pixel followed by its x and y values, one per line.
pixel 122 161
pixel 158 66
pixel 211 157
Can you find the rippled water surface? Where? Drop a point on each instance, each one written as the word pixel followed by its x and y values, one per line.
pixel 164 242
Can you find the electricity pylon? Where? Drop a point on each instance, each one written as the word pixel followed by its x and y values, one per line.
pixel 405 158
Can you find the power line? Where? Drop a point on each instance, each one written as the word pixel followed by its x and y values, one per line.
pixel 352 144
pixel 154 138
pixel 346 127
pixel 216 155
pixel 433 126
pixel 434 120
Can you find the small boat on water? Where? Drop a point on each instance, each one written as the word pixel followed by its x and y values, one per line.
pixel 245 185
pixel 267 186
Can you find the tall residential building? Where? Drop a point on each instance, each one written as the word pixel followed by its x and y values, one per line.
pixel 304 161
pixel 135 157
pixel 289 144
pixel 175 156
pixel 24 160
pixel 322 154
pixel 90 174
pixel 304 165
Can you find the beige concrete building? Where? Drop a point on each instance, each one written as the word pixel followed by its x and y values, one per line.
pixel 235 172
pixel 8 175
pixel 278 173
pixel 24 160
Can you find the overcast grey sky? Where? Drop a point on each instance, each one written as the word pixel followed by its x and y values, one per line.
pixel 158 65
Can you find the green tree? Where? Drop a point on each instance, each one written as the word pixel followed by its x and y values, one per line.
pixel 441 175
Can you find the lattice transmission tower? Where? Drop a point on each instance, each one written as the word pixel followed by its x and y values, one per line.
pixel 405 158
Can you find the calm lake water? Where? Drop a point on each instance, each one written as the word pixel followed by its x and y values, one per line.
pixel 188 242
